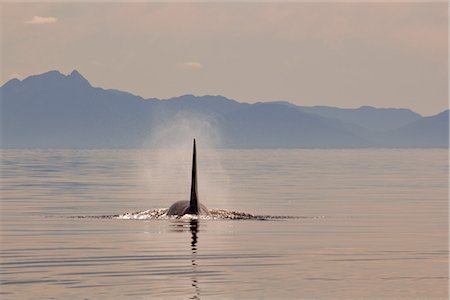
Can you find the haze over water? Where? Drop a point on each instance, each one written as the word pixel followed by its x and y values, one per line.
pixel 374 226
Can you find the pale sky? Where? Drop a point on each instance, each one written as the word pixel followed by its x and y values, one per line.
pixel 337 54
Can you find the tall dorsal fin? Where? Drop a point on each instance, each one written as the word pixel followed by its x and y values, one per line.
pixel 194 201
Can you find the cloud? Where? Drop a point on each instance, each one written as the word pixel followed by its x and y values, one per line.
pixel 97 63
pixel 191 65
pixel 37 20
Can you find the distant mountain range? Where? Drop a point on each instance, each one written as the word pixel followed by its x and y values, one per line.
pixel 53 110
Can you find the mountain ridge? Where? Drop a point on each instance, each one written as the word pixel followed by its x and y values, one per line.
pixel 57 110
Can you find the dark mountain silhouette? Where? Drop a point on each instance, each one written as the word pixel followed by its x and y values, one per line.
pixel 56 110
pixel 375 119
pixel 273 125
pixel 430 131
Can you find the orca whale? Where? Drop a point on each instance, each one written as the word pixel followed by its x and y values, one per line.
pixel 193 206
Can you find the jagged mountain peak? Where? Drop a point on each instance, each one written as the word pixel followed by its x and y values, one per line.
pixel 57 110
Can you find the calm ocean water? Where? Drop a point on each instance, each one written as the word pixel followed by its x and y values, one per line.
pixel 374 225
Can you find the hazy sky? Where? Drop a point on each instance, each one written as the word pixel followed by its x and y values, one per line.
pixel 340 54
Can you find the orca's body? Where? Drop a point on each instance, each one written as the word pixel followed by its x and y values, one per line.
pixel 193 206
pixel 181 208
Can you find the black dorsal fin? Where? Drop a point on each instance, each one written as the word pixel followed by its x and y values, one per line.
pixel 194 201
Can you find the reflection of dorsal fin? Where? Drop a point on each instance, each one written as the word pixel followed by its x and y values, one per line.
pixel 194 202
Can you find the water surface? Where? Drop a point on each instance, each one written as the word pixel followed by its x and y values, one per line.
pixel 372 224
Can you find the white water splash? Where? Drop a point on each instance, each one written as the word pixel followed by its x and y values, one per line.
pixel 168 171
pixel 215 214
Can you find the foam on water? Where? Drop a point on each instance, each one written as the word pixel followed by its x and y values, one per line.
pixel 215 214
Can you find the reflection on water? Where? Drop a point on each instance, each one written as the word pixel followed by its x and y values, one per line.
pixel 194 230
pixel 192 225
pixel 383 234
